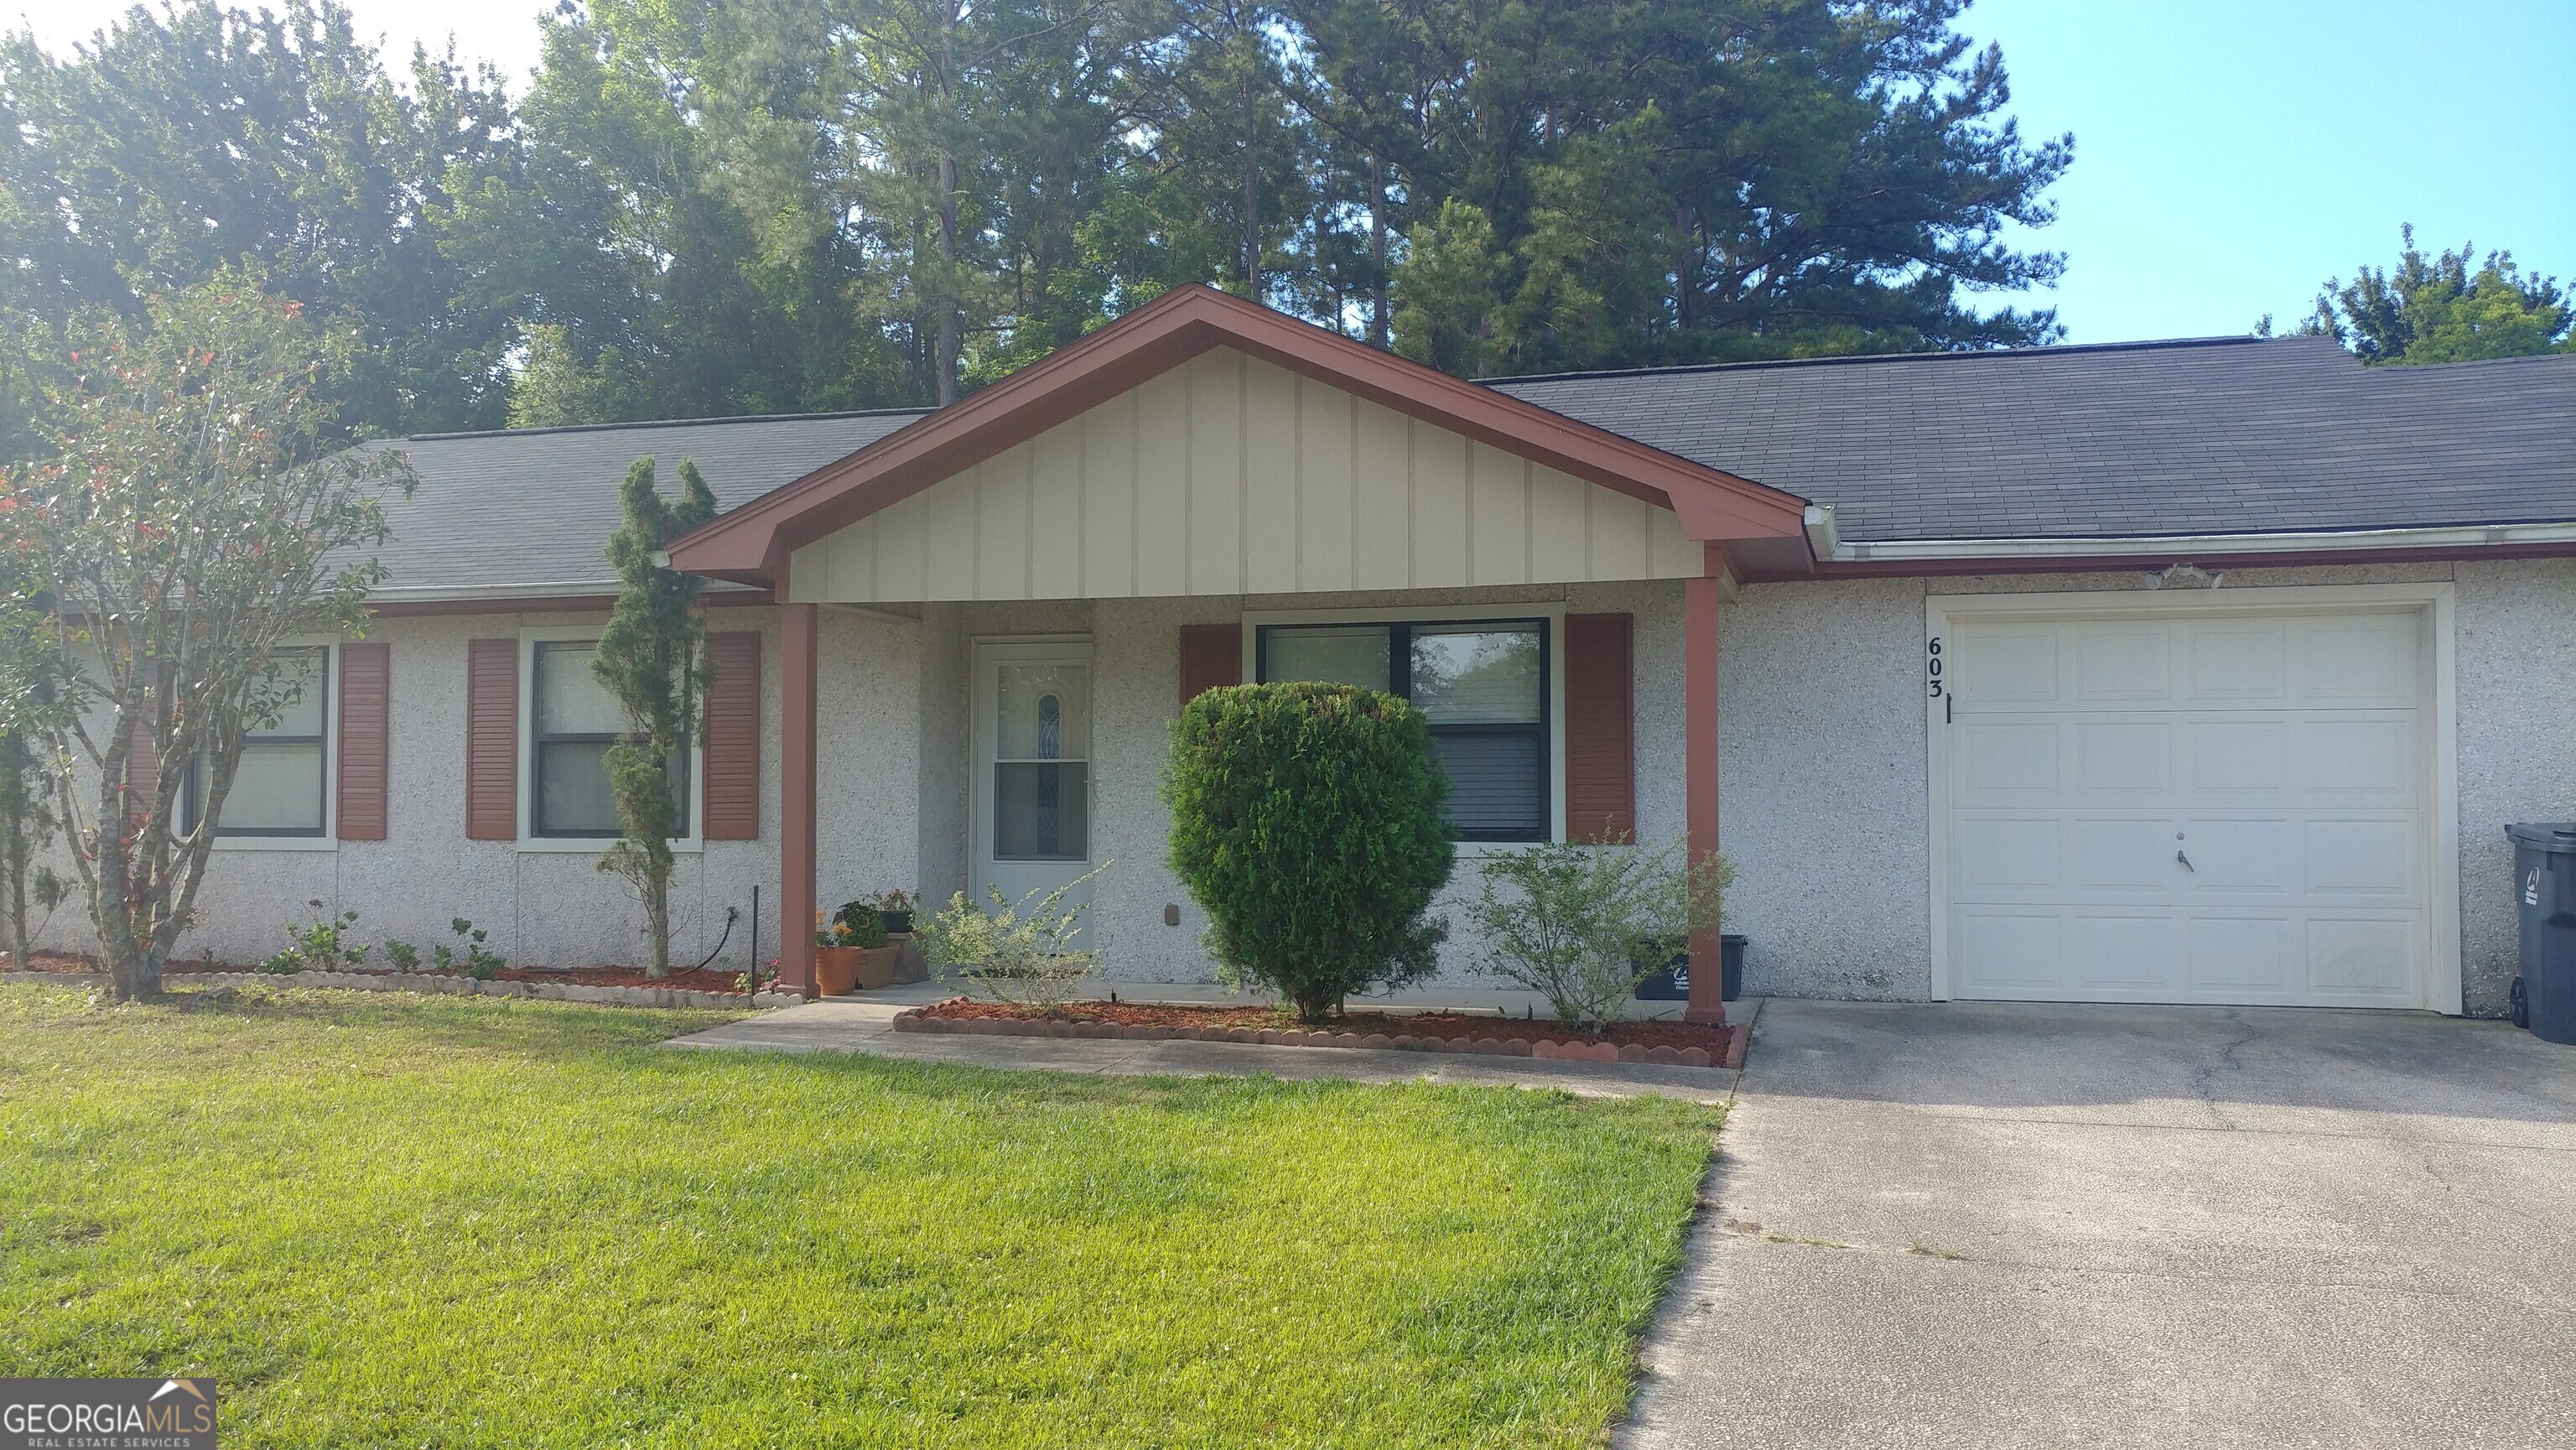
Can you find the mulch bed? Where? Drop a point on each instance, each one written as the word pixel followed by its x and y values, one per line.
pixel 1677 1043
pixel 681 980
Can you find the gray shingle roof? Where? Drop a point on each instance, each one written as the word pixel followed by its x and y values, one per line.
pixel 536 506
pixel 2233 435
pixel 2230 435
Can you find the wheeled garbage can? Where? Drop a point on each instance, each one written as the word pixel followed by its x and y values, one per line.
pixel 2544 887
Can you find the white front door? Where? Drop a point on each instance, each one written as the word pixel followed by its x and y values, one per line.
pixel 2227 809
pixel 1032 779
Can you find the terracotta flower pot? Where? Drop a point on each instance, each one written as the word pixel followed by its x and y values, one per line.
pixel 837 970
pixel 877 966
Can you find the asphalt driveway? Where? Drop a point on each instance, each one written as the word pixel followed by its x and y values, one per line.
pixel 1979 1225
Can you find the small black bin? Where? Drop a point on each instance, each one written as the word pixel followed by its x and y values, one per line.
pixel 2544 887
pixel 1671 982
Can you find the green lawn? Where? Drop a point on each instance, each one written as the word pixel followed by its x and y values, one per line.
pixel 381 1220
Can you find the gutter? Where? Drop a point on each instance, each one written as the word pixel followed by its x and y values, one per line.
pixel 505 593
pixel 1830 547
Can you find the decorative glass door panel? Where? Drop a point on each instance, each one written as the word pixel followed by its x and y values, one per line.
pixel 1033 766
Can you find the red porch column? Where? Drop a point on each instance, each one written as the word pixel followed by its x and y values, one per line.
pixel 797 758
pixel 1699 774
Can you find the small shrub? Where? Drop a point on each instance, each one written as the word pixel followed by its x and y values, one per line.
pixel 1022 955
pixel 1307 820
pixel 283 963
pixel 402 956
pixel 322 943
pixel 481 965
pixel 1583 925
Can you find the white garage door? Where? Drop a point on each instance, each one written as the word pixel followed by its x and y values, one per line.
pixel 2225 809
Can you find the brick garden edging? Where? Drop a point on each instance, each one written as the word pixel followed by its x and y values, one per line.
pixel 431 982
pixel 916 1019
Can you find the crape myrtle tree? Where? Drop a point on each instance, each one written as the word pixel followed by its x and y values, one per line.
pixel 652 660
pixel 1308 821
pixel 194 518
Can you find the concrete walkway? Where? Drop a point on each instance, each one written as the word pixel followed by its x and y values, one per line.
pixel 865 1023
pixel 1991 1225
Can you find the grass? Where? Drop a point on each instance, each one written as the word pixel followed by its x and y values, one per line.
pixel 445 1221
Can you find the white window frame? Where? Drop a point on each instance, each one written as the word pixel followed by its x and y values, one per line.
pixel 526 729
pixel 329 840
pixel 2436 607
pixel 1553 613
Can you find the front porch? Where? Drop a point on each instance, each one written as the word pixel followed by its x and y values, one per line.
pixel 1208 493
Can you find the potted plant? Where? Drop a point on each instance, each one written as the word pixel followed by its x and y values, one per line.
pixel 856 943
pixel 836 959
pixel 894 908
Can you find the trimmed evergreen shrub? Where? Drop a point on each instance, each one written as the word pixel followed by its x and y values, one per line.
pixel 1307 822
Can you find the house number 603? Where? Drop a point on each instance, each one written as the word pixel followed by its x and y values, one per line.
pixel 1932 668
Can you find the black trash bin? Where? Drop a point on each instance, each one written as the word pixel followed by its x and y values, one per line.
pixel 1671 982
pixel 2544 886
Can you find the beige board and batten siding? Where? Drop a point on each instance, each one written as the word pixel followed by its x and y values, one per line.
pixel 1228 475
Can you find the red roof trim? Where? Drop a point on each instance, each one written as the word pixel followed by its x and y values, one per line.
pixel 751 543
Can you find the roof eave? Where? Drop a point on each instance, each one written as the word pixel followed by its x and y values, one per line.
pixel 1848 558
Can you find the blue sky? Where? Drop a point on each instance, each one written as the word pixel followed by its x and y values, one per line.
pixel 2230 155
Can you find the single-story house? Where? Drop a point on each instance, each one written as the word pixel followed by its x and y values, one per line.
pixel 2202 671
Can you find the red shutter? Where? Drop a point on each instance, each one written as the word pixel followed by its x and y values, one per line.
pixel 366 728
pixel 1211 655
pixel 1600 728
pixel 731 751
pixel 142 770
pixel 492 740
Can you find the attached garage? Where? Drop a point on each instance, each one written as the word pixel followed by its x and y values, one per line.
pixel 2195 795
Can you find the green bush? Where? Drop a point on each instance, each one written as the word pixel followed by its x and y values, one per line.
pixel 1583 925
pixel 1307 822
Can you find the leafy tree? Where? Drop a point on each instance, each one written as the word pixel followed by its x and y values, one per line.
pixel 652 661
pixel 2438 310
pixel 194 519
pixel 1698 180
pixel 202 137
pixel 1307 819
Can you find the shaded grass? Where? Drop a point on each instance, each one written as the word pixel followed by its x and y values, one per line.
pixel 474 1220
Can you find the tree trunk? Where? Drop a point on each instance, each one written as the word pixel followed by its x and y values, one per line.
pixel 1251 191
pixel 1377 254
pixel 17 868
pixel 947 280
pixel 657 918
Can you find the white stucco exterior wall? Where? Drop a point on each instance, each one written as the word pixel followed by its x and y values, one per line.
pixel 553 907
pixel 2517 684
pixel 1824 800
pixel 1821 794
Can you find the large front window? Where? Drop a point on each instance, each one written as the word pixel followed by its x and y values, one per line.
pixel 573 723
pixel 1481 683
